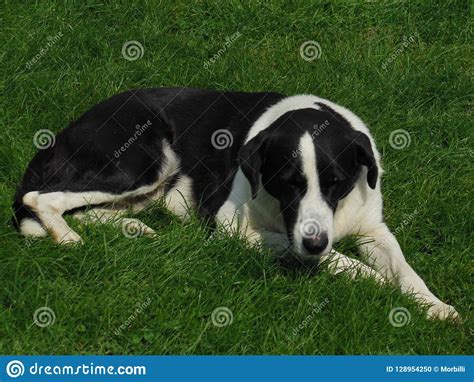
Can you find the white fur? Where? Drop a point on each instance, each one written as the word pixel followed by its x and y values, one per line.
pixel 234 213
pixel 171 163
pixel 115 217
pixel 179 199
pixel 356 123
pixel 260 219
pixel 338 263
pixel 50 206
pixel 314 213
pixel 30 227
pixel 360 212
pixel 274 112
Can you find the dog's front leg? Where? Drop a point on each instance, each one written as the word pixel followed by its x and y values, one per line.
pixel 273 240
pixel 387 257
pixel 338 263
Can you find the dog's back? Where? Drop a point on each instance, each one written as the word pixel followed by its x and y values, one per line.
pixel 117 146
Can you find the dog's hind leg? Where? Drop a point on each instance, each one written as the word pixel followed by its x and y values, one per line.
pixel 130 227
pixel 99 215
pixel 179 198
pixel 49 207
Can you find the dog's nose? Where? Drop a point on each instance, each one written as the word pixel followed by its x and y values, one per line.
pixel 316 244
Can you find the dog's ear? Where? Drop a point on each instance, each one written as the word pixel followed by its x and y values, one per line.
pixel 251 160
pixel 365 157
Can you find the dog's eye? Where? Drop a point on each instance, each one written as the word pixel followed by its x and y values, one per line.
pixel 334 180
pixel 297 182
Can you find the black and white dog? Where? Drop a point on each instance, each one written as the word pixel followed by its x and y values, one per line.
pixel 294 172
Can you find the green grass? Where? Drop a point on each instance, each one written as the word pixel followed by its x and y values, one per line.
pixel 95 288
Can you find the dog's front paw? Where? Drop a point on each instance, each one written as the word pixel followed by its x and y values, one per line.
pixel 443 311
pixel 71 238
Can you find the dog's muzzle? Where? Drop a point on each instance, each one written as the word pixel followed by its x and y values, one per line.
pixel 316 244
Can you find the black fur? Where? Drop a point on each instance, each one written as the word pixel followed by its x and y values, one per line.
pixel 87 155
pixel 83 157
pixel 340 152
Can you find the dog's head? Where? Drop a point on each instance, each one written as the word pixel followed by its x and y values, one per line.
pixel 308 160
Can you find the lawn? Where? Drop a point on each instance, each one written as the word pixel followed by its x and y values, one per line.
pixel 398 65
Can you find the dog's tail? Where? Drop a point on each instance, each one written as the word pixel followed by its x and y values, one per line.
pixel 25 219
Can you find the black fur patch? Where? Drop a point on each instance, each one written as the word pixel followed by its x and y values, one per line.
pixel 117 146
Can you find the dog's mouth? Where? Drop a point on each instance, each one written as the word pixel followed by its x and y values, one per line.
pixel 296 262
pixel 302 253
pixel 306 256
pixel 310 257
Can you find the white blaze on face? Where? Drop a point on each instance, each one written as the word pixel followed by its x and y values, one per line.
pixel 314 214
